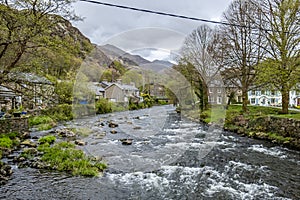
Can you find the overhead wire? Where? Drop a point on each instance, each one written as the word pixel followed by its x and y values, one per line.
pixel 160 13
pixel 175 15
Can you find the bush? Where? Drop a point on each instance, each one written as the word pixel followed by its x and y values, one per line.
pixel 64 157
pixel 103 106
pixel 62 112
pixel 37 120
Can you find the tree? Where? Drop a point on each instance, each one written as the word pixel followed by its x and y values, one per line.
pixel 27 27
pixel 241 46
pixel 198 62
pixel 281 68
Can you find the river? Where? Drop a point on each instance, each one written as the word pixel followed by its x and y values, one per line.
pixel 170 158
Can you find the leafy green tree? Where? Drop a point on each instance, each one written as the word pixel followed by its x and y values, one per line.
pixel 241 46
pixel 33 29
pixel 281 69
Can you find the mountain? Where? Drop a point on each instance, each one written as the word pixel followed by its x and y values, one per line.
pixel 162 62
pixel 123 57
pixel 115 53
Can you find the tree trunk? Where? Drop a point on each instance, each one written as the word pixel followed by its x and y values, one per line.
pixel 245 100
pixel 285 102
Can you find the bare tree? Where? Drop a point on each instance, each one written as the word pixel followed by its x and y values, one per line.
pixel 241 47
pixel 281 68
pixel 198 57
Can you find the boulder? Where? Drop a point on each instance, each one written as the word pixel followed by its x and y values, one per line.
pixel 126 141
pixel 113 131
pixel 25 135
pixel 80 142
pixel 112 125
pixel 28 143
pixel 65 133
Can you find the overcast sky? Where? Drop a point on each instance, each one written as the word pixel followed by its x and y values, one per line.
pixel 152 36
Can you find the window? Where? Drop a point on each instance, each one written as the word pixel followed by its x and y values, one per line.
pixel 272 100
pixel 210 99
pixel 257 93
pixel 273 93
pixel 252 92
pixel 252 100
pixel 209 90
pixel 219 90
pixel 219 100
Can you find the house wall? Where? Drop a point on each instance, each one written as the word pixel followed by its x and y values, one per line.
pixel 216 95
pixel 114 93
pixel 271 98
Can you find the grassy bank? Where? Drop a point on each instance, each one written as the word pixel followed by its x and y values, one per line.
pixel 259 122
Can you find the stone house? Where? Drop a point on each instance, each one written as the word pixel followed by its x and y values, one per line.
pixel 34 91
pixel 118 92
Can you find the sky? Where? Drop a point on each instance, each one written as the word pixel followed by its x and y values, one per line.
pixel 149 35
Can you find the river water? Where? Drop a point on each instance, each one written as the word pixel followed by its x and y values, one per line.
pixel 170 158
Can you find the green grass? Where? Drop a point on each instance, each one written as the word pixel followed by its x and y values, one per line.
pixel 278 138
pixel 42 122
pixel 6 142
pixel 50 139
pixel 37 120
pixel 64 157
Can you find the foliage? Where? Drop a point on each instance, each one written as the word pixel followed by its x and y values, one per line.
pixel 50 139
pixel 281 68
pixel 28 28
pixel 61 112
pixel 148 100
pixel 42 122
pixel 103 106
pixel 36 120
pixel 64 157
pixel 132 76
pixel 119 67
pixel 64 91
pixel 6 142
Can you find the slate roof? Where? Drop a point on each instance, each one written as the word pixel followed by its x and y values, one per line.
pixel 5 92
pixel 124 86
pixel 29 78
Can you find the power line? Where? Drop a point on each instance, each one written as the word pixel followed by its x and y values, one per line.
pixel 177 16
pixel 161 13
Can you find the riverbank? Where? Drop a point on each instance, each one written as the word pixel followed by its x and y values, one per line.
pixel 263 123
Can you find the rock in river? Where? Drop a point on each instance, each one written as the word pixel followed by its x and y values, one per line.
pixel 80 142
pixel 126 141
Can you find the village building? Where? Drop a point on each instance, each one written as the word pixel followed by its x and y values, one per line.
pixel 272 98
pixel 33 91
pixel 120 93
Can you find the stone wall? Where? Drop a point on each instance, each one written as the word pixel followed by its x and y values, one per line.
pixel 281 126
pixel 14 125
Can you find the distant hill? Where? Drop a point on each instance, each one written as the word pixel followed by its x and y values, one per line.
pixel 115 53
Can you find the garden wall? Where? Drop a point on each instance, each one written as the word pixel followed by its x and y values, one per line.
pixel 18 125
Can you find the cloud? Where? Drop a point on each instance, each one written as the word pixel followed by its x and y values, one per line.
pixel 138 32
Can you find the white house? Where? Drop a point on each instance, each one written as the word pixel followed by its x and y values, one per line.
pixel 271 98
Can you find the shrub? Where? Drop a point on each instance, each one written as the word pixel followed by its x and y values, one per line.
pixel 37 120
pixel 103 106
pixel 62 112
